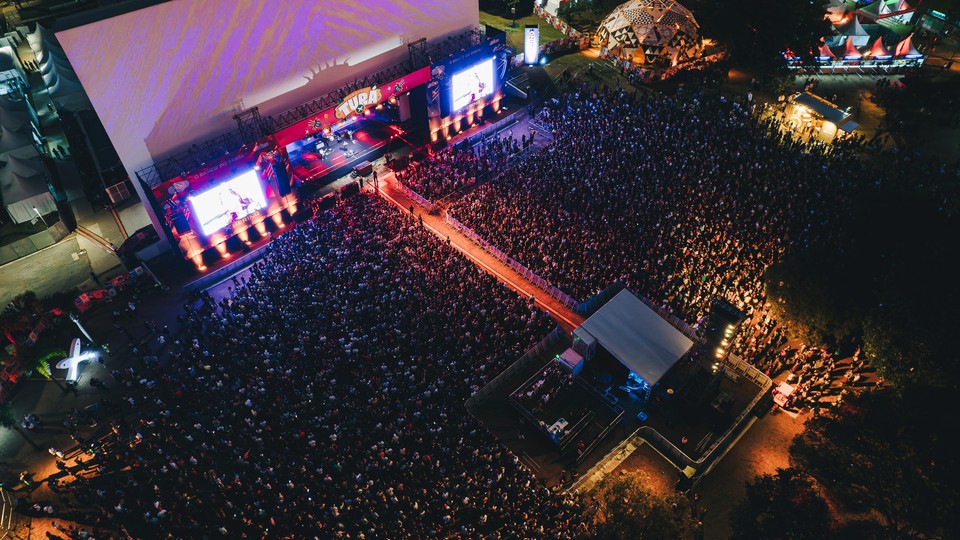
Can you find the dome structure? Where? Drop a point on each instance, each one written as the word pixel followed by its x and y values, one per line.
pixel 652 32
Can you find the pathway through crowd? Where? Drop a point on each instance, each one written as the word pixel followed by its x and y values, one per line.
pixel 566 317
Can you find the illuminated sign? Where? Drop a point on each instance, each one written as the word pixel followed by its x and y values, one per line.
pixel 327 118
pixel 356 101
pixel 531 44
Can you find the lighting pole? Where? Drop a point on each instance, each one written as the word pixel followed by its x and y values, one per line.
pixel 513 13
pixel 41 217
pixel 76 321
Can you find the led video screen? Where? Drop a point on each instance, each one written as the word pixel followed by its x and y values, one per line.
pixel 472 84
pixel 226 202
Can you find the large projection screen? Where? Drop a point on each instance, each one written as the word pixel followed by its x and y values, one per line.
pixel 166 76
pixel 471 84
pixel 228 201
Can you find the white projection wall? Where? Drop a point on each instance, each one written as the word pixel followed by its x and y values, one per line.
pixel 169 75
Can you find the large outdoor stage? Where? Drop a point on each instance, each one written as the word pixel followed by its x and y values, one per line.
pixel 331 154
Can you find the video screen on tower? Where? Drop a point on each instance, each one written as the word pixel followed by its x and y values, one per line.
pixel 472 84
pixel 228 201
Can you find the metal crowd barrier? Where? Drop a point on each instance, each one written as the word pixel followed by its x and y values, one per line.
pixel 416 197
pixel 533 353
pixel 525 272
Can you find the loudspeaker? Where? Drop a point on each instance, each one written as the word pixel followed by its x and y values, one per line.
pixel 400 163
pixel 234 244
pixel 364 169
pixel 283 178
pixel 210 256
pixel 327 202
pixel 303 214
pixel 180 223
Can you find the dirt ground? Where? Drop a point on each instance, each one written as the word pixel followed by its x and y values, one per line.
pixel 762 449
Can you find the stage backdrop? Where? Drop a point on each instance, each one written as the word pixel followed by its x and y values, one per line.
pixel 166 76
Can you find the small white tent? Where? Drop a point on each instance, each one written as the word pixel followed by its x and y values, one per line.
pixel 13 140
pixel 23 187
pixel 54 73
pixel 637 336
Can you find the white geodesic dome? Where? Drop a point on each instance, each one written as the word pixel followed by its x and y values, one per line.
pixel 652 32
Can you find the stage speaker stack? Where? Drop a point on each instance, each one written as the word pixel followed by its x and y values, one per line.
pixel 364 169
pixel 584 343
pixel 282 178
pixel 400 163
pixel 180 223
pixel 303 213
pixel 720 330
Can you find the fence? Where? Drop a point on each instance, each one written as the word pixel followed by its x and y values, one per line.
pixel 594 302
pixel 33 243
pixel 678 323
pixel 415 197
pixel 492 131
pixel 526 273
pixel 534 353
pixel 746 370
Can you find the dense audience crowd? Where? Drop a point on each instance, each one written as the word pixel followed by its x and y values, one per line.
pixel 691 200
pixel 454 167
pixel 325 400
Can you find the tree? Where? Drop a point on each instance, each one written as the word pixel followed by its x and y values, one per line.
pixel 884 279
pixel 759 35
pixel 781 505
pixel 888 454
pixel 627 509
pixel 43 362
pixel 9 421
pixel 813 292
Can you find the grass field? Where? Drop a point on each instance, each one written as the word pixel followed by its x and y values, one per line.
pixel 515 34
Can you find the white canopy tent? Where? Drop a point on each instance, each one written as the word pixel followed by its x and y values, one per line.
pixel 12 140
pixel 53 74
pixel 14 119
pixel 61 87
pixel 43 39
pixel 52 61
pixel 17 104
pixel 637 336
pixel 23 187
pixel 75 102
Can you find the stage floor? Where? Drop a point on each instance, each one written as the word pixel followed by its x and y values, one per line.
pixel 312 162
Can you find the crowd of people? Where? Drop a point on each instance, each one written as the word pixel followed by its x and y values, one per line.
pixel 455 167
pixel 325 399
pixel 691 200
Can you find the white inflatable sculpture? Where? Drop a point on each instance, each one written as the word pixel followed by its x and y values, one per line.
pixel 72 362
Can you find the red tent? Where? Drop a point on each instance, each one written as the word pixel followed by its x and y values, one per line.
pixel 906 48
pixel 878 50
pixel 825 52
pixel 851 52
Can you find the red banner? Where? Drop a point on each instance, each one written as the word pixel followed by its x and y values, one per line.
pixel 354 102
